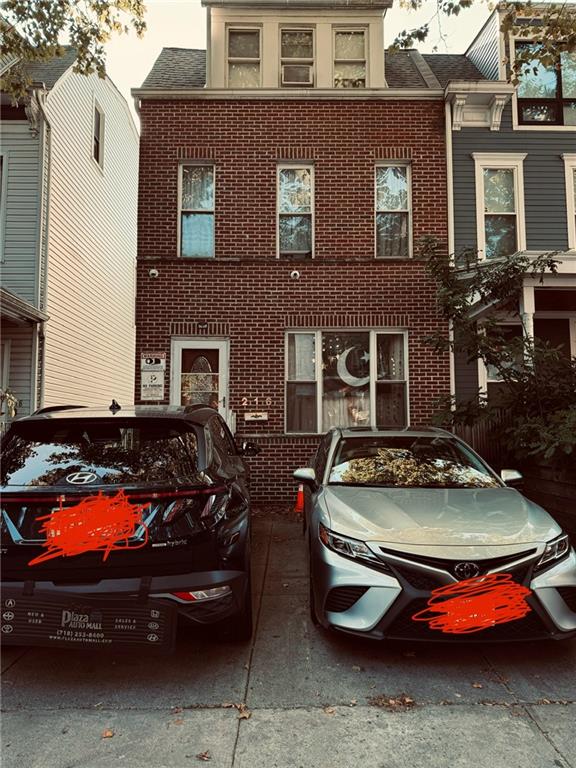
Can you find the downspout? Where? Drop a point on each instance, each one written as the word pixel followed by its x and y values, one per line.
pixel 208 47
pixel 451 246
pixel 46 167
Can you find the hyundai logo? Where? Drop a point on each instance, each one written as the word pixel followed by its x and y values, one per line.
pixel 81 478
pixel 466 570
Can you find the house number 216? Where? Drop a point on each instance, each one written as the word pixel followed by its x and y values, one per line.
pixel 257 401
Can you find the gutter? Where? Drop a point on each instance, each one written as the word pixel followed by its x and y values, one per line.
pixel 297 94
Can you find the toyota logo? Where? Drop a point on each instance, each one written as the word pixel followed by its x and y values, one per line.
pixel 81 478
pixel 466 570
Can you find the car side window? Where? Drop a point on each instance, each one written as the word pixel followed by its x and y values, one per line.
pixel 223 445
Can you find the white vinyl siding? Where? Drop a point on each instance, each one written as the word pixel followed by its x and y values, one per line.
pixel 89 355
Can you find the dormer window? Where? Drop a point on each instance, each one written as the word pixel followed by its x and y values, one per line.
pixel 297 57
pixel 244 57
pixel 546 93
pixel 349 58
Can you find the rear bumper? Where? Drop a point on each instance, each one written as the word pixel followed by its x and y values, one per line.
pixel 156 588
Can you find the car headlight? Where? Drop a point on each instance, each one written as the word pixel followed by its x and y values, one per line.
pixel 343 545
pixel 555 550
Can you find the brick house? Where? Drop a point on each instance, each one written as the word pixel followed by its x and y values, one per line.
pixel 286 176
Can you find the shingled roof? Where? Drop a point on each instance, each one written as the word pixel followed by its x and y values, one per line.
pixel 51 70
pixel 448 66
pixel 185 68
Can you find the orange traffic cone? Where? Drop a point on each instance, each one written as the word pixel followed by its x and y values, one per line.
pixel 299 506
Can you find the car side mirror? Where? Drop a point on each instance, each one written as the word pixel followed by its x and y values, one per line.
pixel 511 477
pixel 248 449
pixel 307 476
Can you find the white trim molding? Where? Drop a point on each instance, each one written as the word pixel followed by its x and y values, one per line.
pixel 570 172
pixel 478 105
pixel 499 161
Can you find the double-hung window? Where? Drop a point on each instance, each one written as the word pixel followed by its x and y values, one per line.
pixel 296 210
pixel 244 57
pixel 297 57
pixel 349 58
pixel 499 204
pixel 393 225
pixel 546 92
pixel 345 378
pixel 197 211
pixel 570 170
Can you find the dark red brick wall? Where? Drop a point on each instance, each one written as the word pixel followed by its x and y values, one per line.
pixel 245 294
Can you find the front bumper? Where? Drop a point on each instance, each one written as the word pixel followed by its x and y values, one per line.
pixel 356 598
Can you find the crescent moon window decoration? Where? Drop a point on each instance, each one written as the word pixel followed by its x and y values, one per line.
pixel 358 380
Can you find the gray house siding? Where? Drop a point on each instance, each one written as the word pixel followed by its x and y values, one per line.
pixel 19 257
pixel 544 181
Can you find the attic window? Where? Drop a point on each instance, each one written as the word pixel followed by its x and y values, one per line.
pixel 98 136
pixel 350 58
pixel 244 58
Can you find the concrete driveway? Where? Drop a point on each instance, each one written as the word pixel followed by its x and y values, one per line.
pixel 296 697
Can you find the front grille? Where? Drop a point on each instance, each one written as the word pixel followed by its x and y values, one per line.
pixel 531 627
pixel 421 580
pixel 447 565
pixel 568 594
pixel 342 598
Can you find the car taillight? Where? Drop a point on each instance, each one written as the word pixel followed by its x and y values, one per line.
pixel 202 594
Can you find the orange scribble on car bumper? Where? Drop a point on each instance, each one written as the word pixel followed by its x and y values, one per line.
pixel 97 523
pixel 475 604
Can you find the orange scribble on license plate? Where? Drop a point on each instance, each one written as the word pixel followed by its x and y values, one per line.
pixel 475 604
pixel 97 523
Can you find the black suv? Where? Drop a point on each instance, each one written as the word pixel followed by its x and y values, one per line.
pixel 118 523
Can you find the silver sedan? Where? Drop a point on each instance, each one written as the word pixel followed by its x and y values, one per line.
pixel 413 536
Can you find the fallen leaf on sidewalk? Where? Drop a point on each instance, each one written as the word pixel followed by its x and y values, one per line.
pixel 107 734
pixel 204 756
pixel 176 710
pixel 392 703
pixel 243 711
pixel 329 710
pixel 357 668
pixel 178 721
pixel 353 702
pixel 477 685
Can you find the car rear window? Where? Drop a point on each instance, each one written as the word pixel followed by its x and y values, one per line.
pixel 409 462
pixel 118 452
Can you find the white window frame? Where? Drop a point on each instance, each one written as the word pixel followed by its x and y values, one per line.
pixel 296 61
pixel 243 60
pixel 181 166
pixel 393 164
pixel 499 161
pixel 365 60
pixel 101 136
pixel 570 171
pixel 296 165
pixel 373 335
pixel 515 124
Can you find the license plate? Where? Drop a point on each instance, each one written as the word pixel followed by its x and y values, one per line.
pixel 85 622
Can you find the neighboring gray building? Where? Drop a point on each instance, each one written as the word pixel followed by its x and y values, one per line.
pixel 69 165
pixel 512 166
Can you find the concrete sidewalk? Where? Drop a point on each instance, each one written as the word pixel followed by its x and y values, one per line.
pixel 310 696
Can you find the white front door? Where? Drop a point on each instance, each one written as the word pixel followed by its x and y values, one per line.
pixel 200 373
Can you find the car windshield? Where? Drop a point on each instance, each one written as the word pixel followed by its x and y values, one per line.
pixel 44 454
pixel 408 461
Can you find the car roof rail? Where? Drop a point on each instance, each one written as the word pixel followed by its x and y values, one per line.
pixel 53 408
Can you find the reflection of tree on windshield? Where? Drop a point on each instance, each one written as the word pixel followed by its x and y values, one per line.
pixel 158 459
pixel 399 467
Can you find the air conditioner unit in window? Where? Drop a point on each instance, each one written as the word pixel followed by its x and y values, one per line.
pixel 297 74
